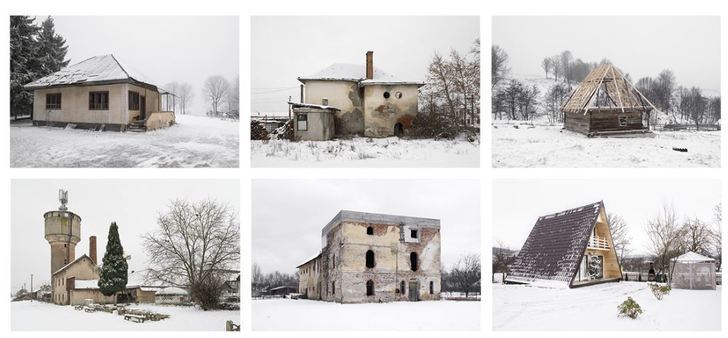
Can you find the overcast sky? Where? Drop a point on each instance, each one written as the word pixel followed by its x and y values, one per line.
pixel 284 48
pixel 517 204
pixel 132 204
pixel 288 215
pixel 638 45
pixel 160 48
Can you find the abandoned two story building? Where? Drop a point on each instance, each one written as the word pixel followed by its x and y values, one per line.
pixel 370 257
pixel 345 99
pixel 98 93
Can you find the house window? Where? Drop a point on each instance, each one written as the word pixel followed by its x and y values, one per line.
pixel 370 288
pixel 413 261
pixel 370 259
pixel 432 287
pixel 324 102
pixel 401 287
pixel 413 233
pixel 133 100
pixel 53 101
pixel 386 95
pixel 333 261
pixel 333 288
pixel 98 100
pixel 302 121
pixel 622 120
pixel 370 231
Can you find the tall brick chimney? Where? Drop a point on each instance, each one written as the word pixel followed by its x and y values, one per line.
pixel 92 248
pixel 370 65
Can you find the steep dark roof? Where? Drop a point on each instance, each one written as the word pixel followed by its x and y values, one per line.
pixel 555 245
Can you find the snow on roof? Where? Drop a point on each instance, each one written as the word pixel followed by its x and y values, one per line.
pixel 103 68
pixel 355 73
pixel 89 284
pixel 308 260
pixel 692 257
pixel 310 105
pixel 172 290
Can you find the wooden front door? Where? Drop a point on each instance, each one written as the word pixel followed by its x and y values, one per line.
pixel 414 291
pixel 142 107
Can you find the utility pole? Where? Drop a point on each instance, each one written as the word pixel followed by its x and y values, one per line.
pixel 31 282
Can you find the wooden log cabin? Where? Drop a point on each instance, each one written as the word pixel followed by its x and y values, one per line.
pixel 606 103
pixel 572 246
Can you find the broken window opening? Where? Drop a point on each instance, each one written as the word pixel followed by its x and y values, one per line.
pixel 333 261
pixel 302 122
pixel 333 288
pixel 386 95
pixel 401 287
pixel 370 259
pixel 413 261
pixel 432 287
pixel 622 120
pixel 370 288
pixel 370 231
pixel 413 233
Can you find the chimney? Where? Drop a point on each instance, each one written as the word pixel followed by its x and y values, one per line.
pixel 370 65
pixel 92 248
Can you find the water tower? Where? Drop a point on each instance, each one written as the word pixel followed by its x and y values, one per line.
pixel 63 232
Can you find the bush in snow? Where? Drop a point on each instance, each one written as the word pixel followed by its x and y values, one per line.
pixel 257 131
pixel 660 290
pixel 629 308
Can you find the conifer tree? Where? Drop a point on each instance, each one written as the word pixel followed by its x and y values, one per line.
pixel 52 48
pixel 24 63
pixel 114 274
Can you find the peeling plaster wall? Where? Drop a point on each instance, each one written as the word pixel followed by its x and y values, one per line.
pixel 320 125
pixel 344 95
pixel 349 242
pixel 381 114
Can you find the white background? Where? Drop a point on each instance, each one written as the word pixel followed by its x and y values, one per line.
pixel 485 9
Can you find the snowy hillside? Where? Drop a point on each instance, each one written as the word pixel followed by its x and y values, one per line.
pixel 195 141
pixel 549 146
pixel 519 307
pixel 39 316
pixel 289 315
pixel 366 152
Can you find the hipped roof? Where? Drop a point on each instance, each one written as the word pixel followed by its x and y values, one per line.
pixel 607 83
pixel 555 245
pixel 94 70
pixel 356 73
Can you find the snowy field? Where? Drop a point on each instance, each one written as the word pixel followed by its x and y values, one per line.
pixel 519 307
pixel 366 152
pixel 39 316
pixel 287 314
pixel 549 146
pixel 195 141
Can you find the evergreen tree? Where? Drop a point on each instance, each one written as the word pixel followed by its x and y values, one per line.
pixel 24 63
pixel 52 48
pixel 114 274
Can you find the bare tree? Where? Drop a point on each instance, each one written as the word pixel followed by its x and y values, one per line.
pixel 620 235
pixel 465 276
pixel 546 65
pixel 664 234
pixel 194 244
pixel 499 65
pixel 173 87
pixel 233 98
pixel 502 259
pixel 717 234
pixel 556 67
pixel 216 90
pixel 565 59
pixel 698 237
pixel 440 77
pixel 185 95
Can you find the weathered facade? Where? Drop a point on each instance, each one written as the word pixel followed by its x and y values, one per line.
pixel 375 258
pixel 572 246
pixel 99 93
pixel 370 102
pixel 606 103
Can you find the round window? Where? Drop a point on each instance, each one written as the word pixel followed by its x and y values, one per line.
pixel 386 95
pixel 398 95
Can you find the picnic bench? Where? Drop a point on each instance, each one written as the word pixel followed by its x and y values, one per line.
pixel 78 307
pixel 135 318
pixel 89 309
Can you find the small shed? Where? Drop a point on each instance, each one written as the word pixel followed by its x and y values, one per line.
pixel 282 290
pixel 606 103
pixel 693 271
pixel 172 295
pixel 313 122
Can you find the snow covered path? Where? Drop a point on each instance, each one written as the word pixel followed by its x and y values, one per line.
pixel 287 314
pixel 365 152
pixel 548 146
pixel 195 141
pixel 519 307
pixel 39 316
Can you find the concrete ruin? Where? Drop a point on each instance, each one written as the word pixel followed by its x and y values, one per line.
pixel 369 258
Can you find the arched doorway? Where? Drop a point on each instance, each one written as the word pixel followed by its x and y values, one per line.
pixel 398 129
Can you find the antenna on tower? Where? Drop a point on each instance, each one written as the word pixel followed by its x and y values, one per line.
pixel 63 198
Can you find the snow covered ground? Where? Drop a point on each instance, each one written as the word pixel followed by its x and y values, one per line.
pixel 39 316
pixel 366 152
pixel 195 141
pixel 519 307
pixel 287 314
pixel 549 146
